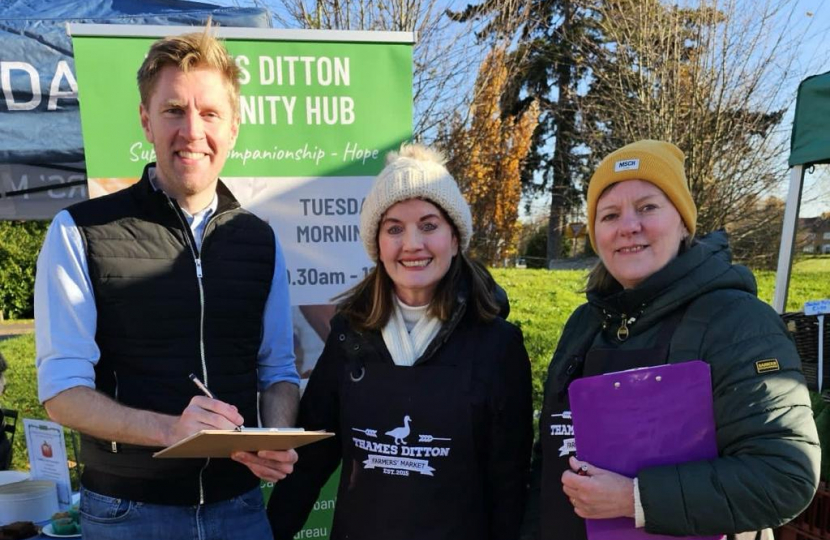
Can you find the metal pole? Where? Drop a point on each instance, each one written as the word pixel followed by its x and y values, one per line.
pixel 820 351
pixel 785 251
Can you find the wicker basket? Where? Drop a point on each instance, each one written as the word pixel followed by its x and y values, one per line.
pixel 804 329
pixel 813 523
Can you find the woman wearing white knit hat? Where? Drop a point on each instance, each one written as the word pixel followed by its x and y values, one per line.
pixel 425 384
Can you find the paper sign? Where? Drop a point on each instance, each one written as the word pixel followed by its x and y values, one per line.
pixel 817 307
pixel 47 456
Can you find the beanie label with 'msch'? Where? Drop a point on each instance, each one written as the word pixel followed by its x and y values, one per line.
pixel 627 165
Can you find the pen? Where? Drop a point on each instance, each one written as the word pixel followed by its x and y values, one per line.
pixel 201 386
pixel 583 470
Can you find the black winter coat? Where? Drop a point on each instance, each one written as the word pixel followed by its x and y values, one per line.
pixel 767 471
pixel 500 414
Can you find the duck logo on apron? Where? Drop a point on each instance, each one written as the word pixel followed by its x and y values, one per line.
pixel 399 451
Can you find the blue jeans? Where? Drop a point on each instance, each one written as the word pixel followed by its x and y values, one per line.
pixel 107 518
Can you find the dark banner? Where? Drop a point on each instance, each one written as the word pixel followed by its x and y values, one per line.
pixel 40 191
pixel 40 126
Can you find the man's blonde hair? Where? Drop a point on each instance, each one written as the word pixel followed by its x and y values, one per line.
pixel 186 52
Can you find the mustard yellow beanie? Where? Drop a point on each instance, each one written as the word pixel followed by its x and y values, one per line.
pixel 658 162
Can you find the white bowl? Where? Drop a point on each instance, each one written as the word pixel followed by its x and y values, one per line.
pixel 10 477
pixel 29 500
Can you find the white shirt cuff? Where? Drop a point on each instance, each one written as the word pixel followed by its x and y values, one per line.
pixel 639 515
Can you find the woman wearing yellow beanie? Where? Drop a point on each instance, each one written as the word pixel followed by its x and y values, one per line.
pixel 660 296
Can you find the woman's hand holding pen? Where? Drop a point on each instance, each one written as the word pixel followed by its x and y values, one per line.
pixel 597 493
pixel 204 413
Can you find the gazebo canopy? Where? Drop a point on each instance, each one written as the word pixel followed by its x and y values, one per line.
pixel 810 143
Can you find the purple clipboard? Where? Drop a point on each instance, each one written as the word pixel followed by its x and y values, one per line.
pixel 630 420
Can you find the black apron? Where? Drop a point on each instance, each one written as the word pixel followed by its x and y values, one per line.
pixel 410 470
pixel 558 521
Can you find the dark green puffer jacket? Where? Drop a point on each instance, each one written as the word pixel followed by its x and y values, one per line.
pixel 768 467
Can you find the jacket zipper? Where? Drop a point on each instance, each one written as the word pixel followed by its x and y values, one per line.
pixel 113 443
pixel 622 331
pixel 191 242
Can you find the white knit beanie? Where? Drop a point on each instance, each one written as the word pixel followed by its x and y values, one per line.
pixel 416 172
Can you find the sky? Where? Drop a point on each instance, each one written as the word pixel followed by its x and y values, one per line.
pixel 809 22
pixel 814 57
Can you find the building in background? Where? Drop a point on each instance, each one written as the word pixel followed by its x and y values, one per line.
pixel 814 234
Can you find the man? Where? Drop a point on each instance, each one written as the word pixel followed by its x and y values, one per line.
pixel 138 289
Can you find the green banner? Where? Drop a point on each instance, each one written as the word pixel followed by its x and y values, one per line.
pixel 307 108
pixel 319 520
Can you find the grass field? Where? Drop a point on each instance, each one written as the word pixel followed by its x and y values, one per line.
pixel 21 390
pixel 540 301
pixel 819 263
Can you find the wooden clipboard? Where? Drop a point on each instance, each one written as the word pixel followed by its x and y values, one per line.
pixel 219 443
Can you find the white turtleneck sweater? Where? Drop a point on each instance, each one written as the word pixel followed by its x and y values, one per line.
pixel 409 331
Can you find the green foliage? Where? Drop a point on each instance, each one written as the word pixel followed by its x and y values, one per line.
pixel 537 248
pixel 21 390
pixel 21 395
pixel 20 243
pixel 540 303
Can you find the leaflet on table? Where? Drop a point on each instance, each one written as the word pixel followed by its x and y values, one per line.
pixel 47 456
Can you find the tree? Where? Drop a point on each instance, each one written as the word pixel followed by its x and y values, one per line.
pixel 444 57
pixel 754 233
pixel 708 78
pixel 485 156
pixel 533 242
pixel 20 243
pixel 555 38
